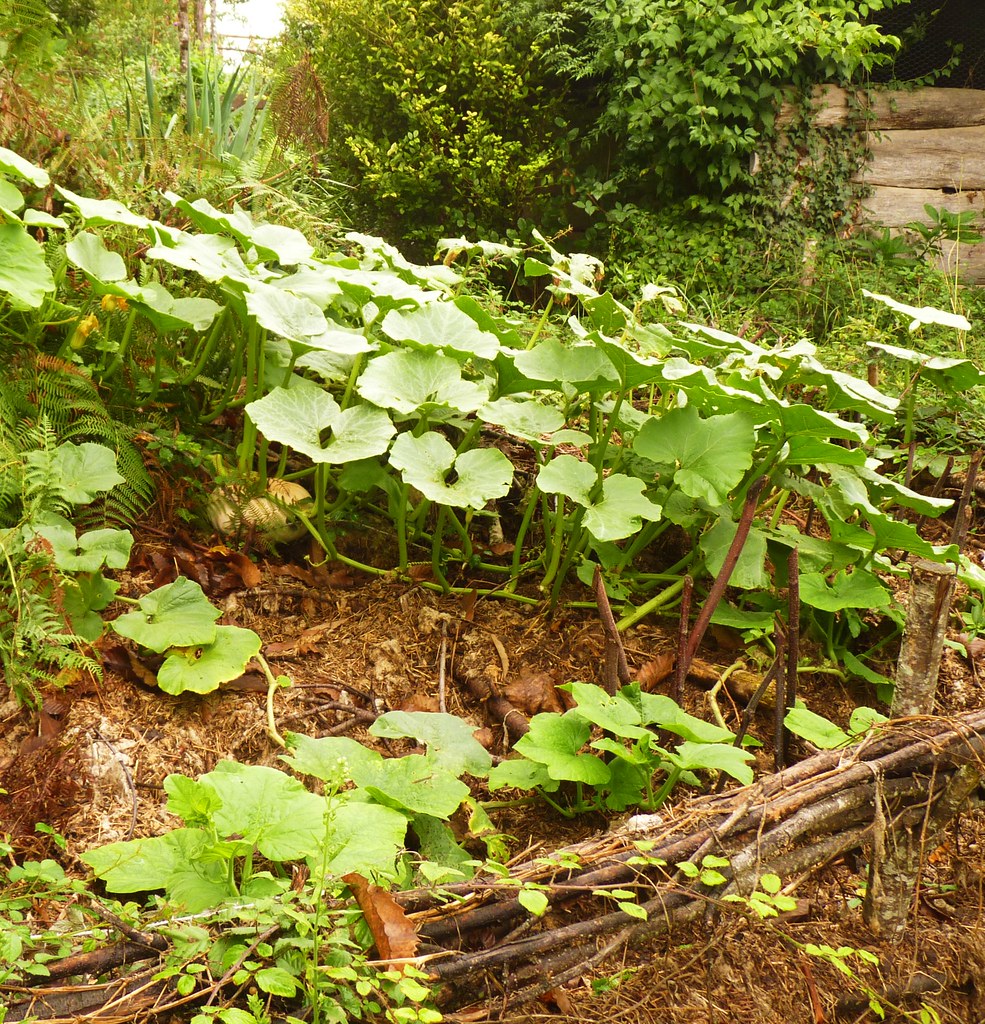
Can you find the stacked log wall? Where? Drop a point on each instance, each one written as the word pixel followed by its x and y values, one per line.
pixel 925 147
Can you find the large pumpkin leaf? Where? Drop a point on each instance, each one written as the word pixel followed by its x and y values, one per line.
pixel 709 456
pixel 306 418
pixel 176 615
pixel 24 275
pixel 426 462
pixel 440 325
pixel 419 383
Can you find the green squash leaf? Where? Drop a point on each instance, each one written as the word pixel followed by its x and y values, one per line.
pixel 91 551
pixel 723 757
pixel 419 383
pixel 24 275
pixel 89 253
pixel 103 211
pixel 556 741
pixel 622 509
pixel 857 589
pixel 300 415
pixel 175 615
pixel 709 456
pixel 286 314
pixel 574 478
pixel 333 759
pixel 363 837
pixel 425 462
pixel 202 669
pixel 750 571
pixel 15 165
pixel 450 742
pixel 415 784
pixel 815 728
pixel 440 325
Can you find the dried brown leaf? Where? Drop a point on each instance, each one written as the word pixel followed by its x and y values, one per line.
pixel 653 672
pixel 297 572
pixel 467 604
pixel 974 645
pixel 393 934
pixel 419 702
pixel 486 737
pixel 532 692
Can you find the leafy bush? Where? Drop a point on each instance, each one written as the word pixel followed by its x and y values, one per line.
pixel 688 90
pixel 443 118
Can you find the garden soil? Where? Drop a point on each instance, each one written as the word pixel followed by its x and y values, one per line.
pixel 92 760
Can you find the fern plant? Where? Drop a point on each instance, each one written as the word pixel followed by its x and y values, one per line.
pixel 51 391
pixel 53 587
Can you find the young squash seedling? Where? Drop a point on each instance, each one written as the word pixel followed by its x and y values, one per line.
pixel 554 752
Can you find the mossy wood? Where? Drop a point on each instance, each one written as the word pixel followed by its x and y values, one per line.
pixel 926 147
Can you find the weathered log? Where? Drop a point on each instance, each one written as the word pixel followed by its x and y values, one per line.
pixel 483 946
pixel 931 591
pixel 486 945
pixel 896 207
pixel 927 158
pixel 892 108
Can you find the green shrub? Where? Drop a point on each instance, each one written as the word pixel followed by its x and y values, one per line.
pixel 442 115
pixel 689 90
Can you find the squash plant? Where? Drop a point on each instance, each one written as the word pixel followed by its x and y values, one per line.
pixel 623 772
pixel 378 376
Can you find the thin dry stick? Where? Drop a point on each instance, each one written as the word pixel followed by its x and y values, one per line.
pixel 221 983
pixel 754 703
pixel 442 655
pixel 717 591
pixel 793 624
pixel 961 518
pixel 681 665
pixel 155 942
pixel 616 667
pixel 780 708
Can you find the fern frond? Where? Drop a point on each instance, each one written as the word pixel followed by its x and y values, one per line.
pixel 54 401
pixel 300 108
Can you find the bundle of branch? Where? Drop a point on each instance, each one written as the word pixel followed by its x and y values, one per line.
pixel 909 775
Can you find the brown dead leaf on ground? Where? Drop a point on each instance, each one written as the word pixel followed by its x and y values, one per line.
pixel 419 702
pixel 218 570
pixel 394 936
pixel 532 692
pixel 653 672
pixel 306 643
pixel 118 658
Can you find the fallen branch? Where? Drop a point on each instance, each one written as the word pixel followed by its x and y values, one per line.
pixel 791 823
pixel 482 946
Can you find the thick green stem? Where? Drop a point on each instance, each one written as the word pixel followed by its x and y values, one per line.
pixel 577 544
pixel 273 685
pixel 229 391
pixel 541 323
pixel 664 791
pixel 557 540
pixel 661 600
pixel 206 348
pixel 350 384
pixel 521 535
pixel 321 489
pixel 400 521
pixel 124 345
pixel 436 549
pixel 650 532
